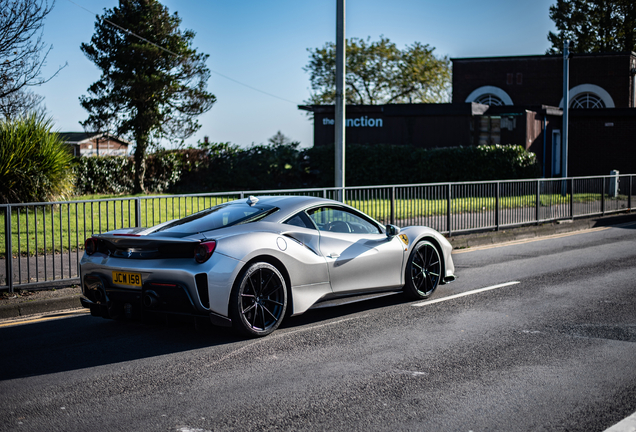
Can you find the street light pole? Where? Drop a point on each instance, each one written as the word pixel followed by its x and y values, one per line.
pixel 340 100
pixel 566 106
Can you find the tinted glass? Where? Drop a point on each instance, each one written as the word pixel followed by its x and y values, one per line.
pixel 220 216
pixel 300 220
pixel 343 221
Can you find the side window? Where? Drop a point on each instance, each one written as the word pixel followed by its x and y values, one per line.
pixel 342 221
pixel 300 220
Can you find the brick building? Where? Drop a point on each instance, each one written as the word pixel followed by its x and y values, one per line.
pixel 596 80
pixel 92 144
pixel 515 100
pixel 420 125
pixel 602 115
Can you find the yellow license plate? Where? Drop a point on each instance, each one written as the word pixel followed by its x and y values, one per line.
pixel 125 278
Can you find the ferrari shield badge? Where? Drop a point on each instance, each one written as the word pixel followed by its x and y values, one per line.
pixel 404 238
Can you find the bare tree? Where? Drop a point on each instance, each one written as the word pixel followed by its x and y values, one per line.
pixel 21 103
pixel 22 51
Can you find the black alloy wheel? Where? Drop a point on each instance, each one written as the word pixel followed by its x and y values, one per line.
pixel 423 271
pixel 259 300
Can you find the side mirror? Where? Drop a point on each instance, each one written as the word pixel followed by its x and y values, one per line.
pixel 392 230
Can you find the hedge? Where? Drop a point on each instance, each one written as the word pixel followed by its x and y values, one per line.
pixel 226 167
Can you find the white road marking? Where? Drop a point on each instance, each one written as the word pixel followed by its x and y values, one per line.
pixel 464 294
pixel 626 425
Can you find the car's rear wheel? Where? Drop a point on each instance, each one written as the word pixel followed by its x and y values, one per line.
pixel 423 271
pixel 259 300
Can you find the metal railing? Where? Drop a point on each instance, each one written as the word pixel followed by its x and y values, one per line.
pixel 47 239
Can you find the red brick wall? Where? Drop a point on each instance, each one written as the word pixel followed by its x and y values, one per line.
pixel 542 77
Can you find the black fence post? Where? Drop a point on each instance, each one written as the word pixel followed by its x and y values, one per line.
pixel 497 196
pixel 629 192
pixel 448 209
pixel 603 197
pixel 392 206
pixel 537 202
pixel 571 198
pixel 8 248
pixel 138 212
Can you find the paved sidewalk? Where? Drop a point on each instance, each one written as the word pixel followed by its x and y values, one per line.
pixel 460 241
pixel 25 303
pixel 65 297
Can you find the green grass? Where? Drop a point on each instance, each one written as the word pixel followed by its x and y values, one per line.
pixel 68 225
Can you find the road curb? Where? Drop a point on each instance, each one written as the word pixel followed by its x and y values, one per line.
pixel 39 306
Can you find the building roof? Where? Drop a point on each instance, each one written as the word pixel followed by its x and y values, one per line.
pixel 544 56
pixel 81 137
pixel 417 109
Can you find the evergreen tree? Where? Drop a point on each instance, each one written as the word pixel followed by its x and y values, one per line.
pixel 153 83
pixel 594 26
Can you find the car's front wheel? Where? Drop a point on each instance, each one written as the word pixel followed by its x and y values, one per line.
pixel 422 271
pixel 259 300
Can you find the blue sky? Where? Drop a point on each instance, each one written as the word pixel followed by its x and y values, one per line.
pixel 264 44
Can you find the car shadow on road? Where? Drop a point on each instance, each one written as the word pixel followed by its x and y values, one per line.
pixel 80 342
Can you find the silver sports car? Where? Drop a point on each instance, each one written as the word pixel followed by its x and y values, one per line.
pixel 249 263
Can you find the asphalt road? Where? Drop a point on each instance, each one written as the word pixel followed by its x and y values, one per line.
pixel 552 350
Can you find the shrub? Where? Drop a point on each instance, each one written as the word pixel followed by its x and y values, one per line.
pixel 104 175
pixel 391 164
pixel 35 164
pixel 114 174
pixel 217 167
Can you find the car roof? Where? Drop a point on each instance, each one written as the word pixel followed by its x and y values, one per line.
pixel 285 202
pixel 291 204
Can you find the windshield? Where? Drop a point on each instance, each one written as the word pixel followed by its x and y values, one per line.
pixel 220 216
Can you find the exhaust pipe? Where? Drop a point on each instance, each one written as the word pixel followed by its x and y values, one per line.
pixel 98 295
pixel 150 299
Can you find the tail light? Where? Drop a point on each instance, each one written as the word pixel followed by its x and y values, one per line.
pixel 90 246
pixel 203 251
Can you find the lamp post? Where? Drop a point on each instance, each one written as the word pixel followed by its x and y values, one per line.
pixel 340 101
pixel 566 106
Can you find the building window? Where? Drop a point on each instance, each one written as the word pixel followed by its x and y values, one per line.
pixel 587 100
pixel 489 99
pixel 489 130
pixel 489 95
pixel 589 96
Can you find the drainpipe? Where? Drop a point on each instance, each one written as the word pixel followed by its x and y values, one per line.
pixel 545 132
pixel 633 71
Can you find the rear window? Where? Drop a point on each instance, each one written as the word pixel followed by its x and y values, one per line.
pixel 220 216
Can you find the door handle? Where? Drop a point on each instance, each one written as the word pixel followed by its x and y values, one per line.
pixel 333 255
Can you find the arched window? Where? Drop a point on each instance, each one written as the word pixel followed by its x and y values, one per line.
pixel 587 100
pixel 589 96
pixel 489 99
pixel 489 95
